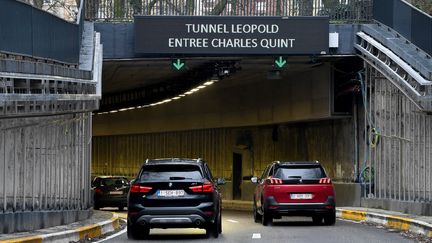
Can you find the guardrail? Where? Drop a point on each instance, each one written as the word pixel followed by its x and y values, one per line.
pixel 411 23
pixel 40 68
pixel 28 31
pixel 124 10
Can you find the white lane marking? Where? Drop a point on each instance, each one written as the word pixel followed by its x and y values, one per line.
pixel 351 221
pixel 232 221
pixel 256 236
pixel 114 235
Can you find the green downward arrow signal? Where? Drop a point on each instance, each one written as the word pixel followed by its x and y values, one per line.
pixel 280 62
pixel 178 65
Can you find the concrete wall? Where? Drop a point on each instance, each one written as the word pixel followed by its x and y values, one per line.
pixel 29 221
pixel 416 208
pixel 347 194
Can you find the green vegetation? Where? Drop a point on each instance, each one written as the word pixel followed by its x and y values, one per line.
pixel 424 5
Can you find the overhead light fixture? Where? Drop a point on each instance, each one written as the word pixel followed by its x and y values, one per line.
pixel 274 74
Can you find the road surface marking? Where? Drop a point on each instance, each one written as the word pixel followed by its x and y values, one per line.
pixel 232 221
pixel 114 235
pixel 256 236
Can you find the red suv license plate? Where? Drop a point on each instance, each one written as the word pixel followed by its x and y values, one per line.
pixel 301 196
pixel 171 193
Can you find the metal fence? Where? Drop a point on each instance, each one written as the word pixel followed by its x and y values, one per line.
pixel 124 10
pixel 28 31
pixel 45 163
pixel 398 148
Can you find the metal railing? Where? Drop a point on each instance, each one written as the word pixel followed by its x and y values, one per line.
pixel 45 163
pixel 398 143
pixel 125 10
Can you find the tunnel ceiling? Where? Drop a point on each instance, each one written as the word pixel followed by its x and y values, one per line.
pixel 136 82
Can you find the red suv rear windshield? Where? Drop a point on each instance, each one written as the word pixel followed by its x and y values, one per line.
pixel 170 172
pixel 303 172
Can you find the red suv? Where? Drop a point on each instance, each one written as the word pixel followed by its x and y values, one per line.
pixel 294 189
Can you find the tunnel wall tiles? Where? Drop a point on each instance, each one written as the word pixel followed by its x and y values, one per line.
pixel 329 142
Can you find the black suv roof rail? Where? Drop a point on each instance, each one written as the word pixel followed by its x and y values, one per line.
pixel 299 162
pixel 174 159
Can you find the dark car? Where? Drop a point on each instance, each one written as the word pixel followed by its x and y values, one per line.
pixel 294 189
pixel 174 193
pixel 110 191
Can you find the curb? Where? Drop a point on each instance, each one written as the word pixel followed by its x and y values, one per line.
pixel 393 222
pixel 89 231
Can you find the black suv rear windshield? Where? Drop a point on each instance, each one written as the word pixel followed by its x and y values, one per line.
pixel 304 172
pixel 114 181
pixel 170 172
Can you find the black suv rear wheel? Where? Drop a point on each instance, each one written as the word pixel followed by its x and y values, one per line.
pixel 137 233
pixel 215 228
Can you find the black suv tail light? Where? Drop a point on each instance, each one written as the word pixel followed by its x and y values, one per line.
pixel 137 188
pixel 206 187
pixel 98 191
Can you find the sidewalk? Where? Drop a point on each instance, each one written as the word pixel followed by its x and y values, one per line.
pixel 99 224
pixel 415 224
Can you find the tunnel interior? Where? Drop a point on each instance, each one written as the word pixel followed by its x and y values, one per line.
pixel 253 110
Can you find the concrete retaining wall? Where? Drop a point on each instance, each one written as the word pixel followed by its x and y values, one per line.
pixel 347 194
pixel 416 208
pixel 29 221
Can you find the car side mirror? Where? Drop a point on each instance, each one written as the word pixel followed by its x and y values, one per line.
pixel 220 181
pixel 254 180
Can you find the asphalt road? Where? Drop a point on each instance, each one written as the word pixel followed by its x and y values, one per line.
pixel 240 227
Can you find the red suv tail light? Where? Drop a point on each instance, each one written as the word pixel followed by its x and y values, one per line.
pixel 273 181
pixel 325 181
pixel 137 188
pixel 206 187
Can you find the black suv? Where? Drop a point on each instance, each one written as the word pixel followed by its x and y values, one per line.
pixel 110 191
pixel 174 193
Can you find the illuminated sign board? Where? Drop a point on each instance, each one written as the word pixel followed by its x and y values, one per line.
pixel 222 35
